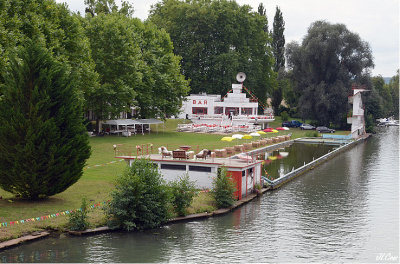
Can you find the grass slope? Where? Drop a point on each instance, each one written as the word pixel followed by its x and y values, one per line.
pixel 97 180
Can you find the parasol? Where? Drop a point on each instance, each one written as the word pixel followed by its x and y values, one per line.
pixel 254 134
pixel 261 132
pixel 227 139
pixel 247 137
pixel 237 136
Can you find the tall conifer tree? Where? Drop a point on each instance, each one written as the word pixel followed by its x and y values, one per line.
pixel 278 40
pixel 278 51
pixel 43 142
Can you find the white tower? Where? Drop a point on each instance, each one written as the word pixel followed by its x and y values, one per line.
pixel 357 119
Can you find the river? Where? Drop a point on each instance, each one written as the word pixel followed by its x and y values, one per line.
pixel 346 210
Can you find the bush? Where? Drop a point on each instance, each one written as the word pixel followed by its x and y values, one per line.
pixel 370 129
pixel 284 116
pixel 224 188
pixel 312 134
pixel 78 219
pixel 282 109
pixel 183 191
pixel 141 199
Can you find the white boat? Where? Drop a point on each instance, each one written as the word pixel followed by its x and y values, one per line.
pixel 388 121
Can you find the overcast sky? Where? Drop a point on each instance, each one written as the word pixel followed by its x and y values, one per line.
pixel 376 21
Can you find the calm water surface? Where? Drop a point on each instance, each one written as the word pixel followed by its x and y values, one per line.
pixel 346 210
pixel 298 154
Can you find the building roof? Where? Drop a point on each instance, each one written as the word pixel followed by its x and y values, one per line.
pixel 128 122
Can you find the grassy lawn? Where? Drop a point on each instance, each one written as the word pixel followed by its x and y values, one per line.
pixel 97 180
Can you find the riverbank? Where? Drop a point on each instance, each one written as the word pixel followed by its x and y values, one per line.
pixel 336 209
pixel 43 234
pixel 19 217
pixel 276 184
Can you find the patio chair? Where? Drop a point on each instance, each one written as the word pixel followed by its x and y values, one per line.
pixel 165 152
pixel 202 154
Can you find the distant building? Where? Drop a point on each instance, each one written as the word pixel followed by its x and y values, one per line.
pixel 232 110
pixel 356 119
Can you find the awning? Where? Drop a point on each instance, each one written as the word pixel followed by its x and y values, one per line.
pixel 122 122
pixel 134 122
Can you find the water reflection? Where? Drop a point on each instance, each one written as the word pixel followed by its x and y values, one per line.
pixel 293 157
pixel 345 210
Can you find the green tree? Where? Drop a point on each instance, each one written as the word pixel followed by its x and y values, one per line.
pixel 263 12
pixel 224 189
pixel 384 92
pixel 278 40
pixel 183 191
pixel 394 91
pixel 62 31
pixel 372 101
pixel 329 60
pixel 163 87
pixel 141 199
pixel 216 40
pixel 95 7
pixel 43 142
pixel 117 58
pixel 278 51
pixel 137 67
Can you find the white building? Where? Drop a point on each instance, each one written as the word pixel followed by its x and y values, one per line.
pixel 234 109
pixel 357 120
pixel 246 174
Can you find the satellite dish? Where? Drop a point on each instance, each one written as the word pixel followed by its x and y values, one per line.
pixel 240 77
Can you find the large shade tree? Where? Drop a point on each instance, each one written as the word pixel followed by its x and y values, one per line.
pixel 64 36
pixel 163 87
pixel 135 62
pixel 117 58
pixel 216 40
pixel 43 142
pixel 330 58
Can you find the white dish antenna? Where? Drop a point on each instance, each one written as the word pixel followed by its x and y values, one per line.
pixel 240 77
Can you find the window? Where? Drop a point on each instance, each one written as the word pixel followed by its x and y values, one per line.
pixel 199 110
pixel 173 167
pixel 247 111
pixel 218 110
pixel 199 168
